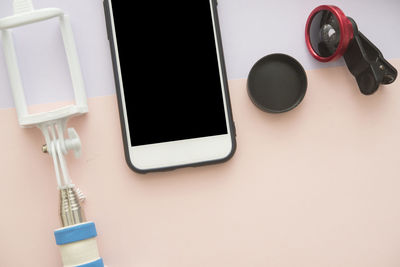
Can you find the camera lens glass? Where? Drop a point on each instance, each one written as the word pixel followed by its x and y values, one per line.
pixel 324 33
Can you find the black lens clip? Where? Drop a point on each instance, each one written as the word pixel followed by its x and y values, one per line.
pixel 367 64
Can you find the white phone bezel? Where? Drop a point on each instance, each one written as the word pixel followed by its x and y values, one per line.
pixel 176 153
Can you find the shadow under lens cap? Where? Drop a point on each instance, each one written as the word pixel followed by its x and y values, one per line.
pixel 277 83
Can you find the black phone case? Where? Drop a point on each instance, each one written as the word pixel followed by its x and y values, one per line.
pixel 107 10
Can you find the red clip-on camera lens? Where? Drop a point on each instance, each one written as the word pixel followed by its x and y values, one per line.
pixel 331 35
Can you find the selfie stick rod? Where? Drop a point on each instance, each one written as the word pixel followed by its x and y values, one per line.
pixel 77 237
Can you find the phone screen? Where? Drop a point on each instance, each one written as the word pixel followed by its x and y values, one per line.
pixel 170 70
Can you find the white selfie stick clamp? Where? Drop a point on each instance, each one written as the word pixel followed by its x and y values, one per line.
pixel 77 238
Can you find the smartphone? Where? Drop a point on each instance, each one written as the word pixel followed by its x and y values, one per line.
pixel 171 83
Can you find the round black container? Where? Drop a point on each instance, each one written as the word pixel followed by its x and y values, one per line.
pixel 277 83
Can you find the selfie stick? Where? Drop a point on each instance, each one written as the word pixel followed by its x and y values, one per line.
pixel 77 237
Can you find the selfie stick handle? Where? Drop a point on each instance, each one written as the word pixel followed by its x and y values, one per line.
pixel 77 239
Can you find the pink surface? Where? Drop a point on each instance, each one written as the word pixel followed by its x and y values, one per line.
pixel 317 186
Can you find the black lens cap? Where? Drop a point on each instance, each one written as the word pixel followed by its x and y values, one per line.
pixel 277 83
